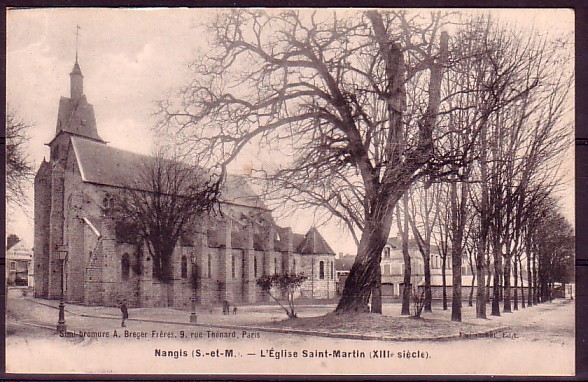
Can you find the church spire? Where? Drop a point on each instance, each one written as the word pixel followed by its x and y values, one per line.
pixel 76 76
pixel 76 114
pixel 77 40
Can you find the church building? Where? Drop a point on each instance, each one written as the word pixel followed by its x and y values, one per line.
pixel 81 252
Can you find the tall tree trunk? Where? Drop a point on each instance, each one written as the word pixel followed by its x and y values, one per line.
pixel 482 270
pixel 365 269
pixel 456 253
pixel 530 300
pixel 471 299
pixel 501 281
pixel 535 280
pixel 516 285
pixel 377 293
pixel 407 265
pixel 490 277
pixel 394 65
pixel 506 281
pixel 482 257
pixel 522 283
pixel 428 294
pixel 497 268
pixel 456 298
pixel 444 280
pixel 481 289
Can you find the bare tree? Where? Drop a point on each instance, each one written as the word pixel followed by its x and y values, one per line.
pixel 403 228
pixel 470 247
pixel 162 202
pixel 359 108
pixel 519 103
pixel 553 244
pixel 443 238
pixel 331 91
pixel 423 214
pixel 19 172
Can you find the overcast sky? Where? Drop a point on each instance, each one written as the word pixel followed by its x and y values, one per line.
pixel 131 58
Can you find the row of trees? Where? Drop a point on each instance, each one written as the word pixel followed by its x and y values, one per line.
pixel 522 272
pixel 508 114
pixel 357 109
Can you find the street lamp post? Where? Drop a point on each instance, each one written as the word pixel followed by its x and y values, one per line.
pixel 193 316
pixel 61 327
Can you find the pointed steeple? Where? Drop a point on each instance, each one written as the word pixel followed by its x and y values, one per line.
pixel 76 77
pixel 76 115
pixel 76 81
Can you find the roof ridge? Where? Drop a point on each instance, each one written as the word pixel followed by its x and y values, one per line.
pixel 103 164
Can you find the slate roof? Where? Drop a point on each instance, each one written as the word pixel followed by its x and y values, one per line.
pixel 10 245
pixel 301 243
pixel 77 117
pixel 76 69
pixel 44 171
pixel 344 263
pixel 239 239
pixel 396 243
pixel 110 166
pixel 297 240
pixel 314 243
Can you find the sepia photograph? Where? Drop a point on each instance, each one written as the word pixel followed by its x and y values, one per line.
pixel 290 191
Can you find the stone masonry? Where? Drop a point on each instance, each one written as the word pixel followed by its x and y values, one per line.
pixel 80 253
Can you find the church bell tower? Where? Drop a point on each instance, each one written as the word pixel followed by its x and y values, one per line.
pixel 75 118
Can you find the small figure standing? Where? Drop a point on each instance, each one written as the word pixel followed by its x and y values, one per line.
pixel 125 313
pixel 225 307
pixel 235 309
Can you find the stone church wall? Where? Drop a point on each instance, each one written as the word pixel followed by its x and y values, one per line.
pixel 42 218
pixel 94 268
pixel 316 286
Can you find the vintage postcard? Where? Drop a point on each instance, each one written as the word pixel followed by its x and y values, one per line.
pixel 290 191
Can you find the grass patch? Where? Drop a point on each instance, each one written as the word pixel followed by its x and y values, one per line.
pixel 380 325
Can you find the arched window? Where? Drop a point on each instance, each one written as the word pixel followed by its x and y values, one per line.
pixel 233 266
pixel 184 267
pixel 275 265
pixel 386 252
pixel 294 266
pixel 209 266
pixel 332 270
pixel 322 270
pixel 255 266
pixel 125 266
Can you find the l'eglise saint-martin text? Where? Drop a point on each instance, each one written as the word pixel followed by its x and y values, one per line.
pixel 311 353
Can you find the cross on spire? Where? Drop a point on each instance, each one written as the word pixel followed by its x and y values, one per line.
pixel 77 38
